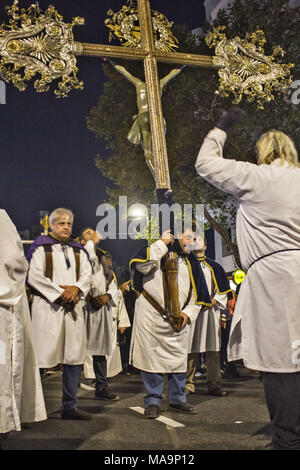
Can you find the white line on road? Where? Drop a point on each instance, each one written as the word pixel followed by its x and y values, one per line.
pixel 162 419
pixel 87 387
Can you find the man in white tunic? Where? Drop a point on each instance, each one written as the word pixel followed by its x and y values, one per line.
pixel 21 395
pixel 120 323
pixel 103 298
pixel 156 349
pixel 205 334
pixel 265 330
pixel 59 277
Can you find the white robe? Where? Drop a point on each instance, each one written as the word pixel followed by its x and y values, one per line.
pixel 58 338
pixel 21 394
pixel 100 323
pixel 155 346
pixel 265 330
pixel 205 332
pixel 114 363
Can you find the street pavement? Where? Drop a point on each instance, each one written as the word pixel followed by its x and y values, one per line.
pixel 238 421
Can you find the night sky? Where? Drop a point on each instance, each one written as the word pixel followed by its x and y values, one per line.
pixel 47 152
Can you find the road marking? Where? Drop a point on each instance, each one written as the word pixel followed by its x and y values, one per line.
pixel 162 419
pixel 87 387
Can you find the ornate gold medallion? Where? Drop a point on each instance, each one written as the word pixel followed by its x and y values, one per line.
pixel 244 69
pixel 39 43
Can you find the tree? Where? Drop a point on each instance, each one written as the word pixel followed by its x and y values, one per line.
pixel 191 108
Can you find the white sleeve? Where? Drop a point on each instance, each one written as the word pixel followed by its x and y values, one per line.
pixel 227 175
pixel 221 300
pixel 84 281
pixel 37 278
pixel 157 251
pixel 13 264
pixel 123 317
pixel 192 310
pixel 90 248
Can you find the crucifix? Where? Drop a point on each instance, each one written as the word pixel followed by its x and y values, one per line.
pixel 37 43
pixel 41 43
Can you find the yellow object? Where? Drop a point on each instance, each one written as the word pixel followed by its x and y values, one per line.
pixel 238 276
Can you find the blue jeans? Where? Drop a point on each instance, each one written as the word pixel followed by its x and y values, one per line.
pixel 154 385
pixel 71 376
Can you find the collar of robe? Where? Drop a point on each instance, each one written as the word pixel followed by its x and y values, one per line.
pixel 51 239
pixel 63 245
pixel 278 162
pixel 219 276
pixel 59 239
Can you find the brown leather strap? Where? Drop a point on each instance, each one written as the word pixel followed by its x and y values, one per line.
pixel 106 262
pixel 77 261
pixel 167 296
pixel 49 261
pixel 155 304
pixel 188 297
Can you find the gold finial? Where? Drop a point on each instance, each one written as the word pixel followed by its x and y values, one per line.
pixel 244 69
pixel 124 26
pixel 45 223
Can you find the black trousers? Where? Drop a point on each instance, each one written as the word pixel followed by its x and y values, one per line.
pixel 283 400
pixel 3 440
pixel 100 369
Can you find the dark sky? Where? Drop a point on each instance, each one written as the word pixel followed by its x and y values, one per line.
pixel 47 152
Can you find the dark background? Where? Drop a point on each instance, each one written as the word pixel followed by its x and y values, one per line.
pixel 47 152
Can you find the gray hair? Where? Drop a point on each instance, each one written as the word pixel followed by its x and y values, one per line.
pixel 58 213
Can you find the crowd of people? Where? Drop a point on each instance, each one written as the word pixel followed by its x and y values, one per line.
pixel 79 301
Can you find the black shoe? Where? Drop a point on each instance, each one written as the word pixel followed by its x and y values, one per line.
pixel 184 408
pixel 75 413
pixel 228 374
pixel 152 411
pixel 106 395
pixel 217 392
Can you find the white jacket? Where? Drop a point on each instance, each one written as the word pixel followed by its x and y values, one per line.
pixel 265 330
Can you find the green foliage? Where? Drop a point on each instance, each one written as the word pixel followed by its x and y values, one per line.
pixel 191 108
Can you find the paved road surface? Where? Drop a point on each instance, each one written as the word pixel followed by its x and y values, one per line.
pixel 238 421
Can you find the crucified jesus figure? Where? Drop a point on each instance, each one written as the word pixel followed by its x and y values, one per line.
pixel 140 132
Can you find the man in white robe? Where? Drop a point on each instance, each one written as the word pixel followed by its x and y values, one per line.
pixel 156 349
pixel 265 331
pixel 102 301
pixel 59 277
pixel 120 323
pixel 205 334
pixel 21 395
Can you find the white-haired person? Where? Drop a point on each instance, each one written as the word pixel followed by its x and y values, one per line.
pixel 59 278
pixel 265 332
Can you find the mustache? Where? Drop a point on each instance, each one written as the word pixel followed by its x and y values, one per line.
pixel 195 246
